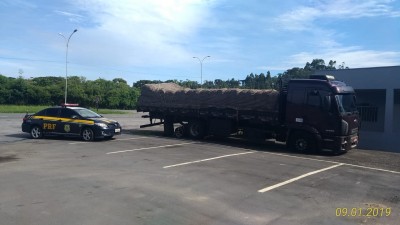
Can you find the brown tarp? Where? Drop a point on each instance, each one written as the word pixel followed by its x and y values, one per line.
pixel 171 95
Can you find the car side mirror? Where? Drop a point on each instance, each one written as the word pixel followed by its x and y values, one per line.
pixel 75 117
pixel 326 106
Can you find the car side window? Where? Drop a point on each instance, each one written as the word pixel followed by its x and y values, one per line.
pixel 67 113
pixel 52 112
pixel 41 113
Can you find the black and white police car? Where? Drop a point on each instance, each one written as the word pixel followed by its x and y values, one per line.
pixel 70 120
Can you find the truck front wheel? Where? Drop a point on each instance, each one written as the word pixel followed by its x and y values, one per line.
pixel 196 129
pixel 302 142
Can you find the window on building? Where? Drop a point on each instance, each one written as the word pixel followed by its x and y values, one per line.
pixel 368 113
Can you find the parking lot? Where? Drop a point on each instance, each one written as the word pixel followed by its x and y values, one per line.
pixel 141 177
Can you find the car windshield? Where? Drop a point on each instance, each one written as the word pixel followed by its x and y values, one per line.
pixel 87 113
pixel 346 103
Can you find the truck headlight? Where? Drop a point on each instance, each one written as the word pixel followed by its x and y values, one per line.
pixel 345 127
pixel 102 125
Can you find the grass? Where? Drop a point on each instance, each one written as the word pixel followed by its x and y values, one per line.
pixel 37 108
pixel 21 108
pixel 110 111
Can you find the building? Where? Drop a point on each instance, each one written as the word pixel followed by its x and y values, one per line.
pixel 378 100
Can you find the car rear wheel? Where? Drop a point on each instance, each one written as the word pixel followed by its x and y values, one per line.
pixel 87 134
pixel 36 132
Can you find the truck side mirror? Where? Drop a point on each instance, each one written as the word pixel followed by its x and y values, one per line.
pixel 326 106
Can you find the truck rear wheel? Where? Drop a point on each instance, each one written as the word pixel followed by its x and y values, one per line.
pixel 302 142
pixel 179 132
pixel 196 129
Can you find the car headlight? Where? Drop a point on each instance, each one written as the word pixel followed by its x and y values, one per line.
pixel 102 125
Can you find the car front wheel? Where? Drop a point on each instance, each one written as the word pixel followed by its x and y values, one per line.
pixel 87 134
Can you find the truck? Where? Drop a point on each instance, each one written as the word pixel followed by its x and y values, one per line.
pixel 307 114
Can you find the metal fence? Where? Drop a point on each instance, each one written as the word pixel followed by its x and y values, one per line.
pixel 368 113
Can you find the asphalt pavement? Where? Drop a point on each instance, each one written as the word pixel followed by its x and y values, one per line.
pixel 141 177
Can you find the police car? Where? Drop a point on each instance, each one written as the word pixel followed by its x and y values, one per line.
pixel 70 120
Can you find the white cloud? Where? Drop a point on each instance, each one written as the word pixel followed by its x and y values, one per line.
pixel 323 41
pixel 353 57
pixel 142 32
pixel 71 16
pixel 303 17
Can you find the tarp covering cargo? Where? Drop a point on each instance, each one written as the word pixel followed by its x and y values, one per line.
pixel 171 95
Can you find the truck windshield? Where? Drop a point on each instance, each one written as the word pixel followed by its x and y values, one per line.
pixel 346 103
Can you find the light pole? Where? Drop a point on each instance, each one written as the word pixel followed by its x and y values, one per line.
pixel 201 67
pixel 66 62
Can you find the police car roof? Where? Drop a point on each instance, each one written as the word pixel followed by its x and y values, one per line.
pixel 69 107
pixel 76 107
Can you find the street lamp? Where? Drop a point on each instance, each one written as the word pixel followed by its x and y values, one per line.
pixel 201 67
pixel 66 62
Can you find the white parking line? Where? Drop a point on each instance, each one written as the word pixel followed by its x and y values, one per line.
pixel 128 139
pixel 203 160
pixel 297 178
pixel 328 161
pixel 140 149
pixel 83 142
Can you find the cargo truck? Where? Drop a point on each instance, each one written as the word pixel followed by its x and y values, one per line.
pixel 308 114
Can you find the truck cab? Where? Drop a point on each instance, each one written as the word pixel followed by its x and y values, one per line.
pixel 320 113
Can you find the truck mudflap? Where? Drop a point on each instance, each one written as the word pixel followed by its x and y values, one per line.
pixel 341 143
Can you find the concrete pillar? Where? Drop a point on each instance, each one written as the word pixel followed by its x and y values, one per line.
pixel 389 110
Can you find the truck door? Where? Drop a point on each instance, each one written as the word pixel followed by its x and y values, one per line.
pixel 316 115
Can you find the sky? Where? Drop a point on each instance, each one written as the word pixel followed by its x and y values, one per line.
pixel 157 39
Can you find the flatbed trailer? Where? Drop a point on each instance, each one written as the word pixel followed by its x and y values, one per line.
pixel 307 114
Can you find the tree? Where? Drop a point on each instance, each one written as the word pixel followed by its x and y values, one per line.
pixel 116 93
pixel 18 91
pixel 219 83
pixel 268 80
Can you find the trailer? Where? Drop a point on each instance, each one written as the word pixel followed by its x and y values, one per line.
pixel 307 114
